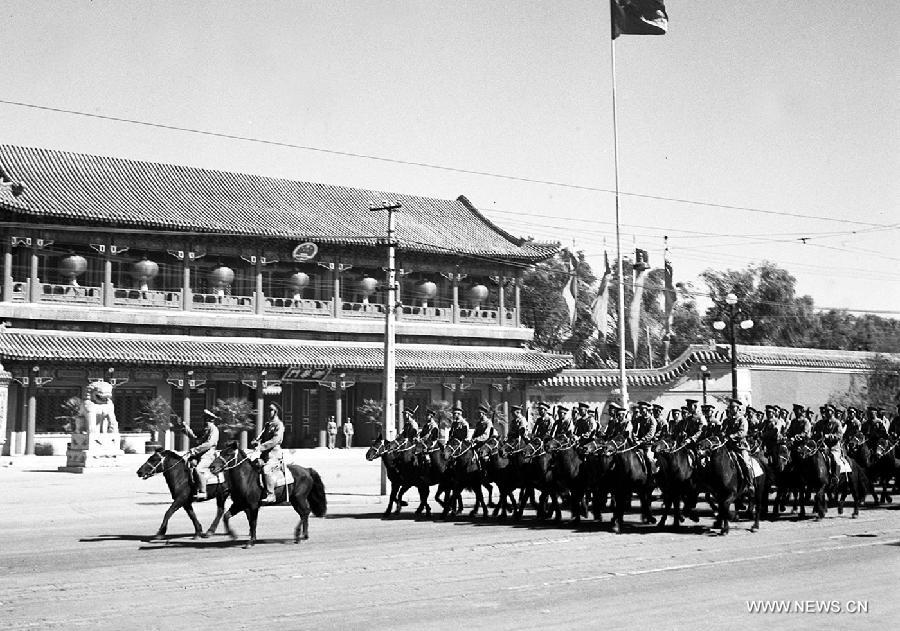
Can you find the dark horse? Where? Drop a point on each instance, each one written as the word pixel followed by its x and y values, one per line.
pixel 178 477
pixel 389 452
pixel 628 475
pixel 676 473
pixel 721 477
pixel 306 492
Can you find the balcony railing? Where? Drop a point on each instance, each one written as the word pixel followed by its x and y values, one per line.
pixel 218 302
pixel 147 298
pixel 71 294
pixel 21 292
pixel 302 306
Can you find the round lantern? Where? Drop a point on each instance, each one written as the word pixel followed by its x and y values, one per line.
pixel 367 287
pixel 426 291
pixel 145 271
pixel 221 277
pixel 72 267
pixel 478 294
pixel 297 282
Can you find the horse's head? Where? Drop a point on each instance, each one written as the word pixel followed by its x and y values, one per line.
pixel 376 450
pixel 153 465
pixel 488 448
pixel 664 445
pixel 227 458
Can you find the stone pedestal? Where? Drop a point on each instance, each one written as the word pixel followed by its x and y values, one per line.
pixel 94 451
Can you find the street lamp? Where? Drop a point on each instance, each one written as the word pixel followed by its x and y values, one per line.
pixel 704 375
pixel 719 325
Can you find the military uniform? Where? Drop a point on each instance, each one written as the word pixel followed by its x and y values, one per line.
pixel 585 424
pixel 484 428
pixel 692 425
pixel 799 427
pixel 430 430
pixel 544 422
pixel 459 428
pixel 563 425
pixel 644 430
pixel 204 452
pixel 268 444
pixel 410 426
pixel 518 428
pixel 831 431
pixel 619 423
pixel 735 429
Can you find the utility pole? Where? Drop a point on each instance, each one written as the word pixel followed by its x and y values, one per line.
pixel 390 323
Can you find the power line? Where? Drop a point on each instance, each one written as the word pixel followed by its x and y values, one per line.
pixel 427 165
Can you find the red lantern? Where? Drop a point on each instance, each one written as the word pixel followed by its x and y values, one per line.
pixel 426 291
pixel 145 271
pixel 72 267
pixel 367 286
pixel 478 294
pixel 221 277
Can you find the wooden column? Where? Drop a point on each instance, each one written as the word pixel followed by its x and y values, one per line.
pixel 187 299
pixel 109 292
pixel 34 283
pixel 5 379
pixel 517 294
pixel 7 274
pixel 183 440
pixel 501 300
pixel 30 417
pixel 260 401
pixel 259 298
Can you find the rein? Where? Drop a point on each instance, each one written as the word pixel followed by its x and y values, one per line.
pixel 227 465
pixel 161 462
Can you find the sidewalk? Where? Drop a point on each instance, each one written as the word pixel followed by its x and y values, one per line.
pixel 348 477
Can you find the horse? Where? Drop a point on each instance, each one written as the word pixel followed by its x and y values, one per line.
pixel 721 477
pixel 812 468
pixel 676 471
pixel 463 472
pixel 388 452
pixel 885 465
pixel 628 476
pixel 570 472
pixel 501 471
pixel 307 492
pixel 537 469
pixel 178 478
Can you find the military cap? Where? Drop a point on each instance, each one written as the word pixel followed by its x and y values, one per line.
pixel 543 405
pixel 707 406
pixel 515 408
pixel 769 406
pixel 657 406
pixel 643 404
pixel 430 413
pixel 614 407
pixel 409 412
pixel 751 409
pixel 733 400
pixel 584 406
pixel 798 406
pixel 691 401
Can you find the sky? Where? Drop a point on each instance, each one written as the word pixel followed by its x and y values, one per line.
pixel 752 131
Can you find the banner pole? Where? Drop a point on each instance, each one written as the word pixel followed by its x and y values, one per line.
pixel 623 382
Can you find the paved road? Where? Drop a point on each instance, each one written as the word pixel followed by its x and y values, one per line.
pixel 73 555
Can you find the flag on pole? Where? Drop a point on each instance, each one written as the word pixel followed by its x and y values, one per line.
pixel 600 307
pixel 634 314
pixel 570 293
pixel 638 17
pixel 671 297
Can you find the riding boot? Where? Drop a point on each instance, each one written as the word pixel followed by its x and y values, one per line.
pixel 270 489
pixel 201 487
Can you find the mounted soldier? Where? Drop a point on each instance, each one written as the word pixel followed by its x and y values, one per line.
pixel 544 422
pixel 691 426
pixel 585 423
pixel 267 449
pixel 619 423
pixel 713 421
pixel 672 421
pixel 459 428
pixel 518 427
pixel 201 455
pixel 830 430
pixel 410 430
pixel 734 428
pixel 799 428
pixel 430 430
pixel 563 426
pixel 643 433
pixel 484 428
pixel 662 425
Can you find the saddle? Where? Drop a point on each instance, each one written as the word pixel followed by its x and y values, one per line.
pixel 282 478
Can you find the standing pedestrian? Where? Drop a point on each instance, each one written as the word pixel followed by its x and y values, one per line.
pixel 330 432
pixel 348 434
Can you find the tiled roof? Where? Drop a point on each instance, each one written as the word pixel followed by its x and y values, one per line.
pixel 695 355
pixel 68 348
pixel 107 191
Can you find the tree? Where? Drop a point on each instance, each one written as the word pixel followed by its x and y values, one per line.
pixel 880 387
pixel 71 413
pixel 235 415
pixel 372 412
pixel 157 417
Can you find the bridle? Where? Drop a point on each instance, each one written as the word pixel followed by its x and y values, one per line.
pixel 156 468
pixel 232 462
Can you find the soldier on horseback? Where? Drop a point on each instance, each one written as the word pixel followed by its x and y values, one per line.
pixel 518 428
pixel 563 426
pixel 691 426
pixel 831 430
pixel 484 428
pixel 661 423
pixel 459 428
pixel 544 422
pixel 643 433
pixel 735 430
pixel 585 423
pixel 267 449
pixel 201 455
pixel 619 423
pixel 410 429
pixel 430 430
pixel 800 427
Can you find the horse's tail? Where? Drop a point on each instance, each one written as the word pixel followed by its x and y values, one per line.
pixel 318 502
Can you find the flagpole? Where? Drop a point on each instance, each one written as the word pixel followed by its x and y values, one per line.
pixel 623 382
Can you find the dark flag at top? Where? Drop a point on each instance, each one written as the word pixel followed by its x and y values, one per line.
pixel 638 17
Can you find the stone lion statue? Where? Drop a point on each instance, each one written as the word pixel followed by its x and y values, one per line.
pixel 98 412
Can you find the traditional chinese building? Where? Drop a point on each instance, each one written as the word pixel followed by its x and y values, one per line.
pixel 199 285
